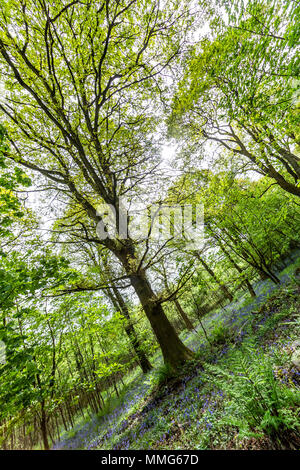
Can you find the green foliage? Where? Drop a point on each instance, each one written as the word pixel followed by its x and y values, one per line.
pixel 11 178
pixel 239 91
pixel 258 402
pixel 165 373
pixel 220 333
pixel 87 87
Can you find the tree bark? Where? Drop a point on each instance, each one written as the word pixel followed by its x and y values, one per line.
pixel 173 350
pixel 183 315
pixel 212 274
pixel 239 270
pixel 180 310
pixel 44 426
pixel 118 301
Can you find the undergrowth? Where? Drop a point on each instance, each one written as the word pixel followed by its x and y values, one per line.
pixel 240 392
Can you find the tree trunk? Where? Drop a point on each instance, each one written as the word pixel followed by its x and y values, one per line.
pixel 180 310
pixel 173 350
pixel 183 315
pixel 239 270
pixel 44 427
pixel 272 276
pixel 212 274
pixel 283 183
pixel 118 300
pixel 261 267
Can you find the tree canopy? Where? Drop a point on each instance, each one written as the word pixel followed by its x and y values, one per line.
pixel 118 121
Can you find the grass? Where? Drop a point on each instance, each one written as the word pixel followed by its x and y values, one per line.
pixel 241 391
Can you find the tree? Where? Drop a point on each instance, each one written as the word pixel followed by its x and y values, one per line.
pixel 11 209
pixel 240 92
pixel 101 264
pixel 79 78
pixel 29 373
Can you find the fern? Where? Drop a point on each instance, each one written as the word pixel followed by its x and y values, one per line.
pixel 258 403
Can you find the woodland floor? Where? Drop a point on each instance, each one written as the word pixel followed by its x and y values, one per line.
pixel 192 411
